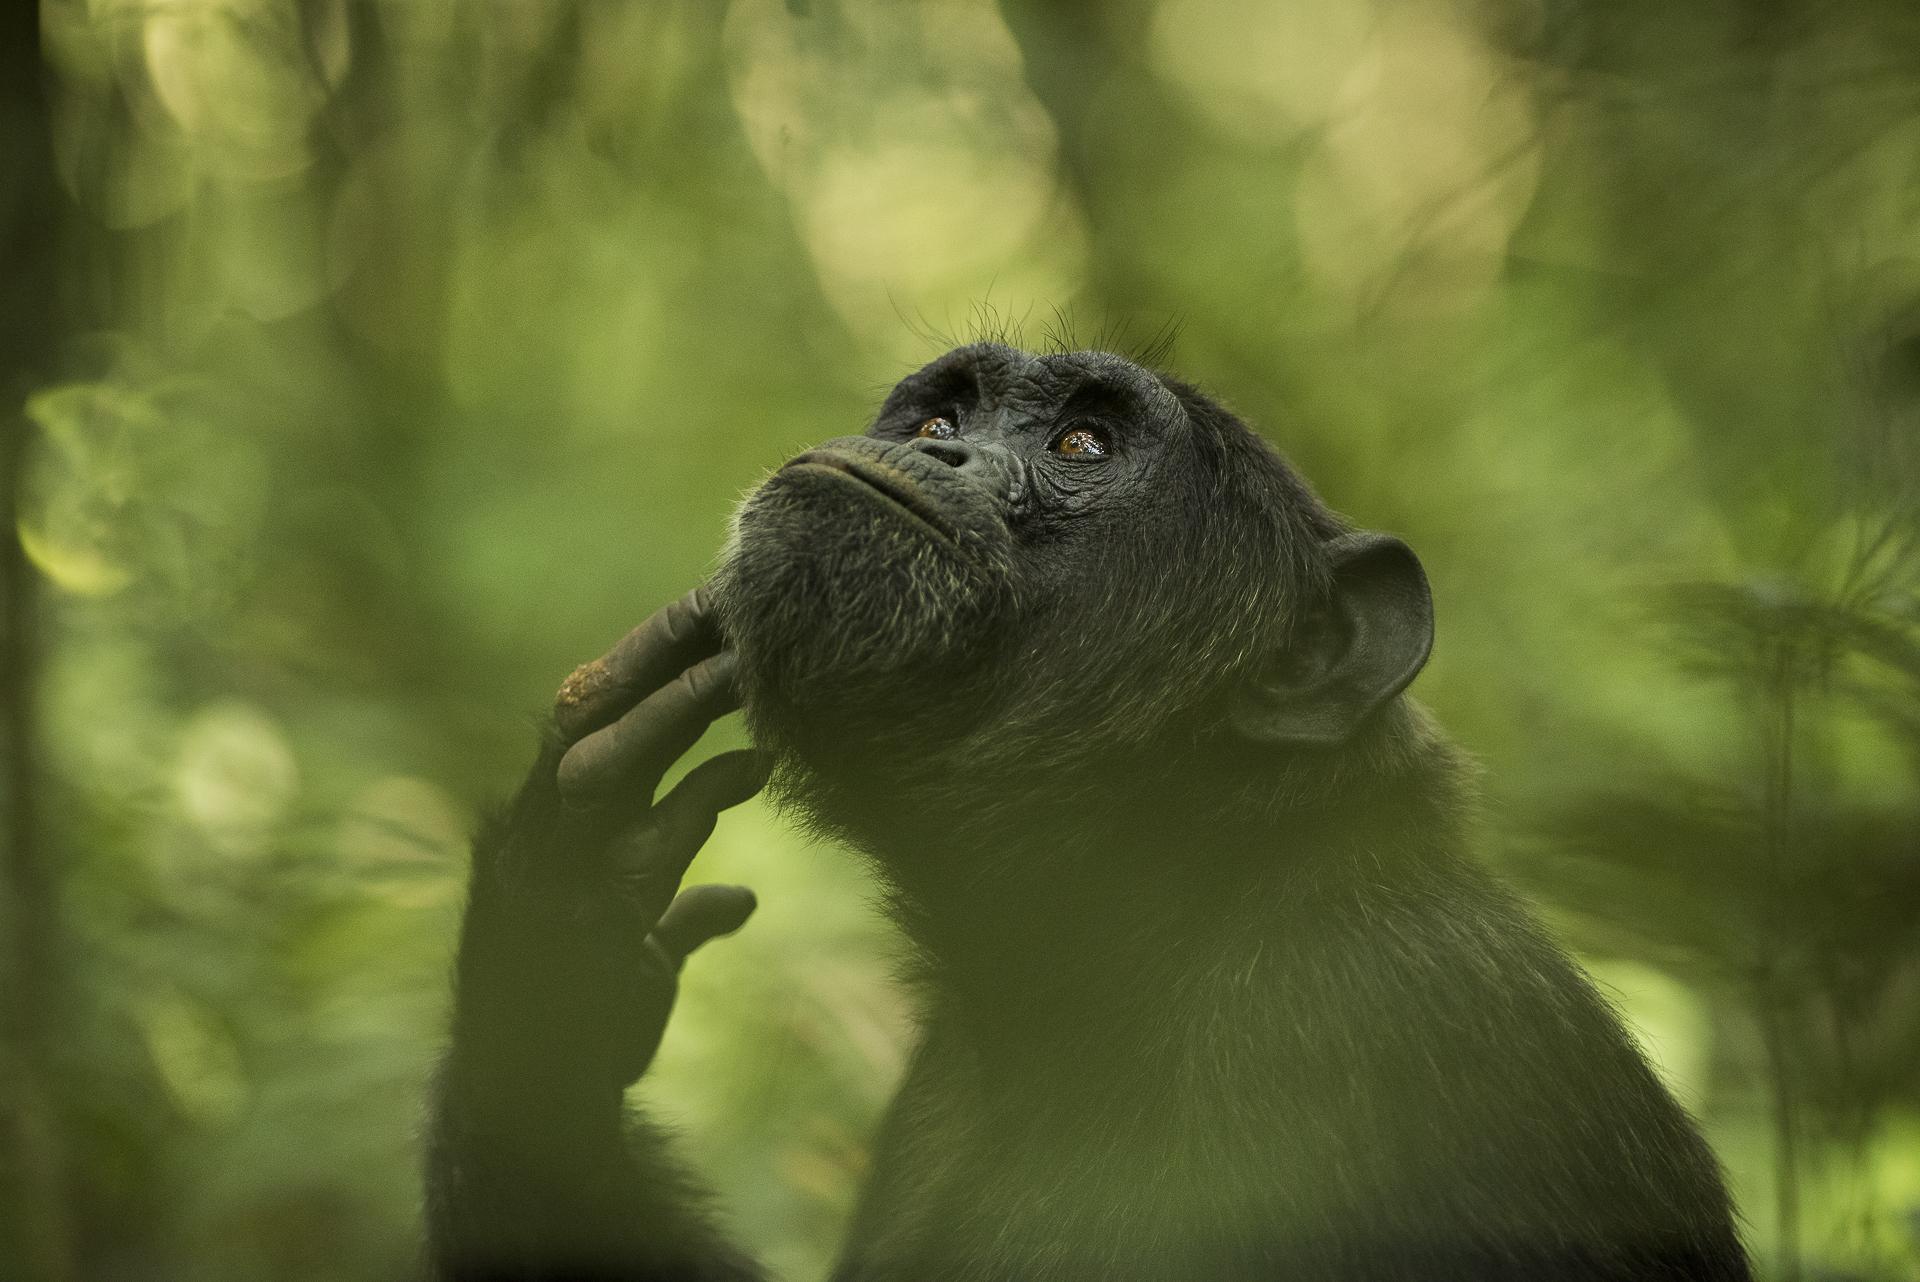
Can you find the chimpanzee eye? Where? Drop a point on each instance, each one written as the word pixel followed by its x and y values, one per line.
pixel 937 429
pixel 1083 442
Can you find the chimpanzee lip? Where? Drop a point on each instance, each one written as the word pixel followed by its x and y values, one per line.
pixel 890 483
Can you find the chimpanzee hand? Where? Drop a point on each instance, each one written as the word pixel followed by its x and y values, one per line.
pixel 575 933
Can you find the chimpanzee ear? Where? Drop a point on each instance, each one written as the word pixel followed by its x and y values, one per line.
pixel 1355 653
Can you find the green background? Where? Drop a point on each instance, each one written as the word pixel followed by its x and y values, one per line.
pixel 383 359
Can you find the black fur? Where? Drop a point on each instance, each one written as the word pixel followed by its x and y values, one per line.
pixel 1196 1004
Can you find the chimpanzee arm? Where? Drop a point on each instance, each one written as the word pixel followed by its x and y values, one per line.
pixel 569 953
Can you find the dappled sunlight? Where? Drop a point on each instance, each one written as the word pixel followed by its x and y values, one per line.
pixel 921 169
pixel 1425 166
pixel 236 777
pixel 1264 71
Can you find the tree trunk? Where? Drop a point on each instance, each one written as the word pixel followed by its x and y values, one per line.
pixel 35 1234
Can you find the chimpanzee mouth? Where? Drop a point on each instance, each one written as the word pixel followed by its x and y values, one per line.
pixel 889 483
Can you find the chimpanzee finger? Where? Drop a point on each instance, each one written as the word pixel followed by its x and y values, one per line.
pixel 685 816
pixel 655 853
pixel 654 860
pixel 629 756
pixel 700 913
pixel 672 639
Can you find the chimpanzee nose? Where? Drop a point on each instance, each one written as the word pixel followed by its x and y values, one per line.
pixel 960 454
pixel 991 467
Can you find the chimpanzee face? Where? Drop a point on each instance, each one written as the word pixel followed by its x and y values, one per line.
pixel 1065 452
pixel 983 542
pixel 1036 563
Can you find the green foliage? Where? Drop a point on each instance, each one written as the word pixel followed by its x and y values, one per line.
pixel 420 349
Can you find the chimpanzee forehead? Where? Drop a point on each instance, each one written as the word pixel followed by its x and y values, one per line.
pixel 996 376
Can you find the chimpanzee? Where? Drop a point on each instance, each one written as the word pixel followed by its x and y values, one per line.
pixel 1211 986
